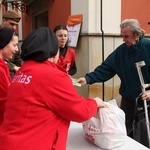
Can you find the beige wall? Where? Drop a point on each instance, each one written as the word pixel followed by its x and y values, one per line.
pixel 91 10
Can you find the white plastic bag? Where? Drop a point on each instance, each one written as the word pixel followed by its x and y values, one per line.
pixel 108 131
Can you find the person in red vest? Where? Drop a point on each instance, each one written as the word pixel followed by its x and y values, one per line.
pixel 8 46
pixel 67 54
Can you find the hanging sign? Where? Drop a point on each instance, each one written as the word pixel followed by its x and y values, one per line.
pixel 73 26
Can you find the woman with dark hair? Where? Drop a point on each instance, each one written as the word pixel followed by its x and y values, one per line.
pixel 8 47
pixel 38 117
pixel 67 54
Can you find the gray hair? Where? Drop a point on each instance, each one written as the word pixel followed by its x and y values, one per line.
pixel 133 24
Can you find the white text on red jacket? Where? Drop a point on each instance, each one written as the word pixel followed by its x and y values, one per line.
pixel 22 78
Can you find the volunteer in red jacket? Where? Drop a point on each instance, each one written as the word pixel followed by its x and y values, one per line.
pixel 66 54
pixel 41 99
pixel 8 46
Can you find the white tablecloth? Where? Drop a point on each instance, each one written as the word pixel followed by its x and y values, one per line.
pixel 76 141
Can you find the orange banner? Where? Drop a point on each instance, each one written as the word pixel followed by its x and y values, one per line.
pixel 74 19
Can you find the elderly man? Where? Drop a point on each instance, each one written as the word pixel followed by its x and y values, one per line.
pixel 11 19
pixel 122 62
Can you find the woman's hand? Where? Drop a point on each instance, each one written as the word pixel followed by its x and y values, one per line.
pixel 99 102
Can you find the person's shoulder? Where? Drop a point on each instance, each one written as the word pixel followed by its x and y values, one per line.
pixel 51 68
pixel 3 63
pixel 146 40
pixel 71 49
pixel 44 69
pixel 3 66
pixel 122 45
pixel 120 48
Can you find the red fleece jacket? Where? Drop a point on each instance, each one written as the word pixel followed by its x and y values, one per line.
pixel 4 83
pixel 41 103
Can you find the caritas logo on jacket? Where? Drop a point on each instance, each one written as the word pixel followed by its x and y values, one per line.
pixel 22 78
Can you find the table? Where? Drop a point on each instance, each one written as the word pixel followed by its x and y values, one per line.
pixel 76 141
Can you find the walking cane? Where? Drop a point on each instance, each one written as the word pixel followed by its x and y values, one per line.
pixel 143 86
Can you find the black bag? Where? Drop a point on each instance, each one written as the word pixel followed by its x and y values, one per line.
pixel 139 130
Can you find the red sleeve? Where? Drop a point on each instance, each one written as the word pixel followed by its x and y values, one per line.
pixel 65 100
pixel 4 83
